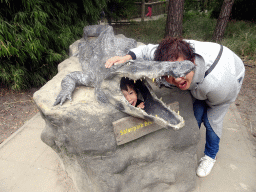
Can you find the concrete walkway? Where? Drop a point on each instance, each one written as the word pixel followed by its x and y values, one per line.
pixel 29 165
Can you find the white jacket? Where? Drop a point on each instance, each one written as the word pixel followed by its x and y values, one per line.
pixel 220 87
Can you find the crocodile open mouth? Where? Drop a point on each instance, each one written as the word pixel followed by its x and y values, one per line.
pixel 154 110
pixel 142 72
pixel 154 107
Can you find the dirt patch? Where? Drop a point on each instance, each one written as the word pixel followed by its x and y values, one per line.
pixel 246 102
pixel 18 107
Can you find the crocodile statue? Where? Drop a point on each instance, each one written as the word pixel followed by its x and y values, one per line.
pixel 94 52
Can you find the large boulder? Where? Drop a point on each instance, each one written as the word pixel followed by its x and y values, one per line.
pixel 81 133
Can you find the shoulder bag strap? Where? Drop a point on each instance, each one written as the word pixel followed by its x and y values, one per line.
pixel 215 62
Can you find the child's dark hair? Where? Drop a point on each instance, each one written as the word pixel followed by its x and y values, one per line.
pixel 125 82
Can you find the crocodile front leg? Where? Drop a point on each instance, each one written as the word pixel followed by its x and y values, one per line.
pixel 69 83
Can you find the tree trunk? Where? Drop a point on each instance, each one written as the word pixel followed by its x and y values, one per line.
pixel 174 18
pixel 223 20
pixel 142 10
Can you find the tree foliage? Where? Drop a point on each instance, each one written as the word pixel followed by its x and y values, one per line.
pixel 120 9
pixel 35 36
pixel 242 10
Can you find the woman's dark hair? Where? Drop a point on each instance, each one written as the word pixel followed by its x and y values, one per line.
pixel 127 82
pixel 171 48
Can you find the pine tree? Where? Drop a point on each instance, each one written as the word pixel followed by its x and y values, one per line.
pixel 223 20
pixel 174 18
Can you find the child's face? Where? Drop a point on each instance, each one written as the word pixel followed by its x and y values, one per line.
pixel 130 96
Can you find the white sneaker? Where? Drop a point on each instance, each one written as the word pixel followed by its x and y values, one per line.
pixel 205 166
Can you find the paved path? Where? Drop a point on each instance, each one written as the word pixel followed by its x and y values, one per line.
pixel 29 165
pixel 134 20
pixel 235 168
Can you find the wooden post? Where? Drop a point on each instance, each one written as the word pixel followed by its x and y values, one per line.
pixel 142 10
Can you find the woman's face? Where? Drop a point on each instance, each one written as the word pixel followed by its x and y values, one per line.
pixel 182 83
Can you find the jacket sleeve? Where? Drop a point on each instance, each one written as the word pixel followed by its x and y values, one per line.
pixel 146 52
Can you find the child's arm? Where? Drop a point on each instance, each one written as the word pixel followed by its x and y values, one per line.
pixel 141 105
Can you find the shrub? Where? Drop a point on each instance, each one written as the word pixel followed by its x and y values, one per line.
pixel 35 36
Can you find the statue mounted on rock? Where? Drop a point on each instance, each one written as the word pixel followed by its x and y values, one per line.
pixel 81 132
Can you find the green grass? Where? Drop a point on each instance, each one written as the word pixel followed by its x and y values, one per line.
pixel 240 36
pixel 146 32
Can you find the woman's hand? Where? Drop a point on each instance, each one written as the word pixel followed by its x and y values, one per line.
pixel 117 60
